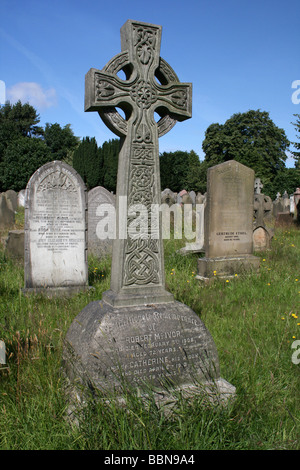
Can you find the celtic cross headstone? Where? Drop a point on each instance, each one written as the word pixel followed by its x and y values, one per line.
pixel 137 334
pixel 137 266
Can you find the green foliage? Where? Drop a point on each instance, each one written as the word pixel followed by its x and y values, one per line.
pixel 61 141
pixel 287 179
pixel 110 155
pixel 87 162
pixel 21 118
pixel 251 138
pixel 180 170
pixel 254 321
pixel 25 146
pixel 21 159
pixel 97 166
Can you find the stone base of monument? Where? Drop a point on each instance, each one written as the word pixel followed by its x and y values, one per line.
pixel 157 350
pixel 51 292
pixel 209 268
pixel 191 248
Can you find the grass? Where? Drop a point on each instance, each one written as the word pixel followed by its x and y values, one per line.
pixel 254 321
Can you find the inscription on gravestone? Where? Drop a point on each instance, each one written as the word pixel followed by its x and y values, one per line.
pixel 228 221
pixel 137 331
pixel 55 230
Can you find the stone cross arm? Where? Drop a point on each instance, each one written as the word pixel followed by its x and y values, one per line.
pixel 151 84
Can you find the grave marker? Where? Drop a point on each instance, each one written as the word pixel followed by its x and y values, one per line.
pixel 137 333
pixel 55 231
pixel 101 221
pixel 228 222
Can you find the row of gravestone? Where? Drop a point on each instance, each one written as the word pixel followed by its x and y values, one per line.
pixel 58 212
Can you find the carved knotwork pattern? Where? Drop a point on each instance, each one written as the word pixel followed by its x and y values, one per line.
pixel 139 95
pixel 141 264
pixel 142 255
pixel 145 39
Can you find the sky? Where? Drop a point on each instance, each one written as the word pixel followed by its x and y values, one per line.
pixel 239 55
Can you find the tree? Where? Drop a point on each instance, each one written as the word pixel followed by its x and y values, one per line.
pixel 180 170
pixel 287 180
pixel 110 155
pixel 251 138
pixel 18 120
pixel 173 170
pixel 193 176
pixel 20 160
pixel 88 162
pixel 296 154
pixel 61 141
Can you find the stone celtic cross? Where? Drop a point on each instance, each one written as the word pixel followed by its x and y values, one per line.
pixel 150 86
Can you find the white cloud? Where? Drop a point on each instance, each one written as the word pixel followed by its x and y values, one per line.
pixel 32 93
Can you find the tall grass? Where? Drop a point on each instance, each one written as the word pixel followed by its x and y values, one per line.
pixel 253 319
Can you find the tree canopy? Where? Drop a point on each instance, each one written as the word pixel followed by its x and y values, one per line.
pixel 98 166
pixel 251 138
pixel 180 170
pixel 25 146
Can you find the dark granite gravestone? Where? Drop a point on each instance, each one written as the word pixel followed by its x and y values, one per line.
pixel 137 333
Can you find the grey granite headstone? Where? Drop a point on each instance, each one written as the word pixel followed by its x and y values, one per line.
pixel 137 335
pixel 12 199
pixel 168 197
pixel 7 214
pixel 14 244
pixel 21 198
pixel 101 221
pixel 258 186
pixel 264 222
pixel 228 222
pixel 55 231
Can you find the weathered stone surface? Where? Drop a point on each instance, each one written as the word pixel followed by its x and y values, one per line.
pixel 14 245
pixel 151 347
pixel 21 198
pixel 168 197
pixel 7 215
pixel 55 231
pixel 137 333
pixel 264 222
pixel 100 203
pixel 12 199
pixel 228 221
pixel 261 239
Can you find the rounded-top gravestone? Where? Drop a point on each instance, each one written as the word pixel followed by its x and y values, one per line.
pixel 55 231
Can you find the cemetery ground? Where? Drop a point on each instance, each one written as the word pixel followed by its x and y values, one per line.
pixel 254 320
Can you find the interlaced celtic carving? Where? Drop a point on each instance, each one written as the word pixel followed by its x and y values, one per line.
pixel 141 262
pixel 150 85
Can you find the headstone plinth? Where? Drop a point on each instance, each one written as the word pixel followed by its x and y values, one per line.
pixel 137 334
pixel 157 348
pixel 228 222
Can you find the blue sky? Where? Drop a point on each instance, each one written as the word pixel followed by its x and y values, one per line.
pixel 239 55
